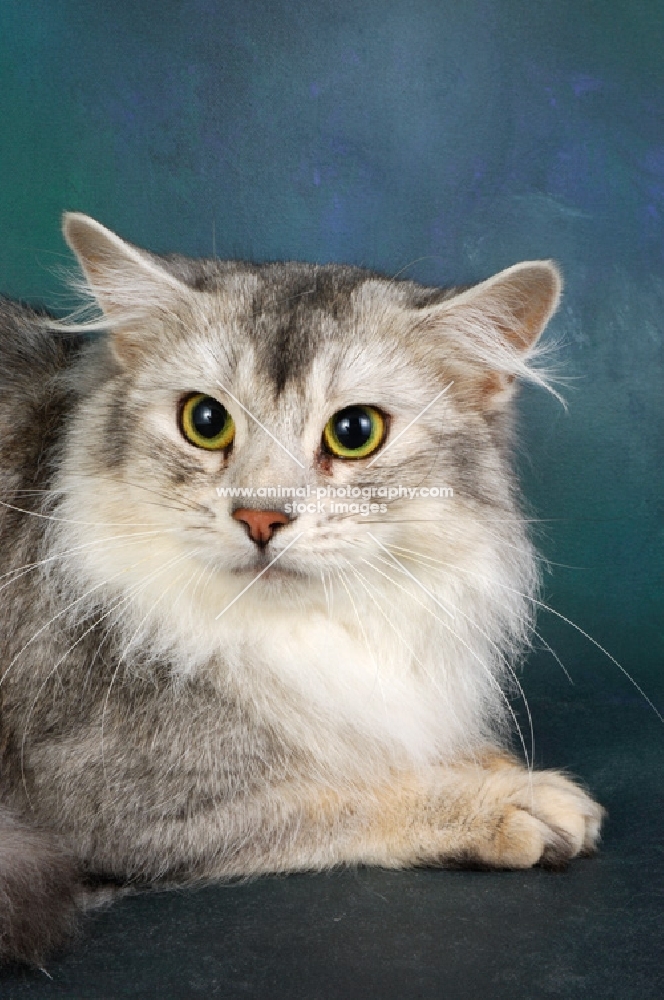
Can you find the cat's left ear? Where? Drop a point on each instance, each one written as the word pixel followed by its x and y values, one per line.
pixel 499 322
pixel 129 284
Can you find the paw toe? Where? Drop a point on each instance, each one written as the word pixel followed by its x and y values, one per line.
pixel 568 810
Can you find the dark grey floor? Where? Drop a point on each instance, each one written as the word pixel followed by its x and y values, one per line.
pixel 592 931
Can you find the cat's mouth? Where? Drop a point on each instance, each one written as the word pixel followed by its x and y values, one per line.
pixel 264 566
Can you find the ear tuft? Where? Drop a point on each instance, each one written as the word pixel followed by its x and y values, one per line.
pixel 530 293
pixel 98 250
pixel 93 244
pixel 517 302
pixel 107 261
pixel 495 327
pixel 129 285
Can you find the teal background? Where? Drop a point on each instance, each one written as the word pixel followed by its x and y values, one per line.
pixel 450 139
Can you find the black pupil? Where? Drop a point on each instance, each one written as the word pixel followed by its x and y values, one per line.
pixel 209 417
pixel 352 427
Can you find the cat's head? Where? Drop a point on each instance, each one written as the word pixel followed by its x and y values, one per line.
pixel 213 377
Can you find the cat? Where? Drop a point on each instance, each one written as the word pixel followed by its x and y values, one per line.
pixel 204 672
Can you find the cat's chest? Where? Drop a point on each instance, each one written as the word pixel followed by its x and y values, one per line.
pixel 337 685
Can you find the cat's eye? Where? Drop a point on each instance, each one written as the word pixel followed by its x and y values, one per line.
pixel 354 432
pixel 206 423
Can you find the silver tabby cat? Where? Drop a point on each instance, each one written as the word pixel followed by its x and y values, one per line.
pixel 204 675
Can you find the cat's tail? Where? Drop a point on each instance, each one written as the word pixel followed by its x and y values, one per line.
pixel 40 891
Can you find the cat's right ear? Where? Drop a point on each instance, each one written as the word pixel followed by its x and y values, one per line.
pixel 129 285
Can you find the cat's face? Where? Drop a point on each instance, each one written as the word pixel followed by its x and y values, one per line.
pixel 293 378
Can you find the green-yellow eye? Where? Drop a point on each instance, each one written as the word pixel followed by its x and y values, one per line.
pixel 354 432
pixel 206 423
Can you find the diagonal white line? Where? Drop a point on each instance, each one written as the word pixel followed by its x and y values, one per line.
pixel 278 556
pixel 414 420
pixel 257 421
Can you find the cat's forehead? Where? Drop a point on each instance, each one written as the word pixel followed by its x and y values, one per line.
pixel 292 314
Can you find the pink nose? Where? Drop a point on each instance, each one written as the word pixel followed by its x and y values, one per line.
pixel 261 524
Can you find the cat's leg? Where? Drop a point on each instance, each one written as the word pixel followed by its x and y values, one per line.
pixel 491 813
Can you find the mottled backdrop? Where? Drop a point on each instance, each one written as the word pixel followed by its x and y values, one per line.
pixel 447 139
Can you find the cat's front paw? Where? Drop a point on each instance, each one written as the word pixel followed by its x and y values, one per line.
pixel 545 818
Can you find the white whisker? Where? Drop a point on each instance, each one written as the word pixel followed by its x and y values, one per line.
pixel 364 583
pixel 490 677
pixel 21 571
pixel 511 671
pixel 325 591
pixel 420 560
pixel 568 621
pixel 70 520
pixel 64 611
pixel 123 599
pixel 377 679
pixel 169 565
